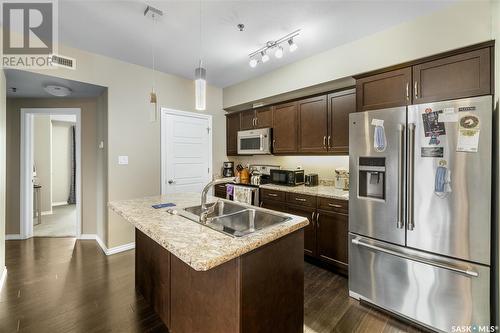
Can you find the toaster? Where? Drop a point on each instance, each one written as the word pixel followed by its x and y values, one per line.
pixel 311 179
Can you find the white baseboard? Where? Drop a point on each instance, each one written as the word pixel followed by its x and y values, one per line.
pixel 110 251
pixel 47 212
pixel 3 277
pixel 59 203
pixel 13 237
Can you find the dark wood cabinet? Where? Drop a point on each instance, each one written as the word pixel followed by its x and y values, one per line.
pixel 312 124
pixel 274 205
pixel 220 190
pixel 459 76
pixel 264 117
pixel 247 120
pixel 332 238
pixel 232 128
pixel 384 90
pixel 285 128
pixel 340 105
pixel 309 230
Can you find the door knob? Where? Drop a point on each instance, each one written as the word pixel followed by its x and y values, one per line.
pixel 170 181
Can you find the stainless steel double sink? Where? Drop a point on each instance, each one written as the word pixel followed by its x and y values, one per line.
pixel 234 219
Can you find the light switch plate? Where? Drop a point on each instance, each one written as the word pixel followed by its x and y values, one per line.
pixel 122 160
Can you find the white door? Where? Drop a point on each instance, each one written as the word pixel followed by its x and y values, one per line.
pixel 186 152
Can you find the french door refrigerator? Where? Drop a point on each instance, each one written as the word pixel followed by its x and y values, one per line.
pixel 420 211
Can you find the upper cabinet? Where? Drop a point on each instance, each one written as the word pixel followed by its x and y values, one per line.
pixel 340 105
pixel 232 128
pixel 285 128
pixel 457 74
pixel 385 90
pixel 313 124
pixel 257 118
pixel 463 75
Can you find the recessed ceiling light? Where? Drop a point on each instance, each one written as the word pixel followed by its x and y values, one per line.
pixel 57 91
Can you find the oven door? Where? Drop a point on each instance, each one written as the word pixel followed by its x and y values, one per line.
pixel 254 142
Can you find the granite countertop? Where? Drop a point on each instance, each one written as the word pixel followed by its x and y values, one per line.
pixel 198 246
pixel 325 191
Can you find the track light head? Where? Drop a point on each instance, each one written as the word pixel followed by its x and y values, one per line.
pixel 264 56
pixel 293 46
pixel 279 52
pixel 253 62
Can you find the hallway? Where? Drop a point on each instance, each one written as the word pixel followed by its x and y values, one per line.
pixel 61 223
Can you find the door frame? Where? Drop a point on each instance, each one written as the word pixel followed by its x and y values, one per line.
pixel 26 171
pixel 163 155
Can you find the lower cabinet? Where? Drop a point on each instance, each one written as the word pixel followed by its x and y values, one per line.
pixel 325 237
pixel 309 230
pixel 332 233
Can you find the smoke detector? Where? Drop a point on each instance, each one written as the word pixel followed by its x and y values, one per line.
pixel 57 91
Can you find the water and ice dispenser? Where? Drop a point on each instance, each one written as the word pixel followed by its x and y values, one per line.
pixel 372 177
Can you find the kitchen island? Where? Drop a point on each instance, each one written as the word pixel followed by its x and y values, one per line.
pixel 201 280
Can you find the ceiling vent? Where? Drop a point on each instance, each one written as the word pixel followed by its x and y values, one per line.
pixel 64 62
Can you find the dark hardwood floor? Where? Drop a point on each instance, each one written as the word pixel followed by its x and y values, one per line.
pixel 64 285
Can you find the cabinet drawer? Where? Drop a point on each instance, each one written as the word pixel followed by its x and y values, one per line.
pixel 334 205
pixel 220 187
pixel 301 199
pixel 274 195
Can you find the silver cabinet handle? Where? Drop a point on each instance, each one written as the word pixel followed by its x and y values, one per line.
pixel 255 122
pixel 274 143
pixel 272 194
pixel 407 91
pixel 300 199
pixel 324 142
pixel 411 157
pixel 329 138
pixel 457 269
pixel 415 87
pixel 400 218
pixel 261 203
pixel 334 205
pixel 312 217
pixel 317 220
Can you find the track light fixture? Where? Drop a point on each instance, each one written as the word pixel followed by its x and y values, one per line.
pixel 275 46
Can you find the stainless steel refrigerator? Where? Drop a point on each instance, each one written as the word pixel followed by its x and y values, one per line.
pixel 420 211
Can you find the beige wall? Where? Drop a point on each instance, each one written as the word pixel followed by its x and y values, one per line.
pixel 324 166
pixel 88 150
pixel 2 169
pixel 465 23
pixel 129 129
pixel 102 167
pixel 41 159
pixel 61 161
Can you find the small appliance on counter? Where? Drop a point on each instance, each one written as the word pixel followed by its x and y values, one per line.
pixel 228 169
pixel 261 174
pixel 311 179
pixel 342 179
pixel 287 177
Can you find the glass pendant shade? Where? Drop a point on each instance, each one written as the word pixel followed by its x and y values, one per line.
pixel 200 79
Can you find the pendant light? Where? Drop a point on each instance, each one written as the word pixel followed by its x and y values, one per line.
pixel 154 13
pixel 200 77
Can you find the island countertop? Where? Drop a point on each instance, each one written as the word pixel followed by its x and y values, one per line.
pixel 198 246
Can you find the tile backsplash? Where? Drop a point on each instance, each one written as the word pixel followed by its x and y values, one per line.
pixel 324 166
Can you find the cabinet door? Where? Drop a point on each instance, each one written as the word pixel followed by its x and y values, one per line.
pixel 385 90
pixel 309 230
pixel 285 128
pixel 247 120
pixel 313 125
pixel 264 117
pixel 232 128
pixel 339 107
pixel 459 76
pixel 332 229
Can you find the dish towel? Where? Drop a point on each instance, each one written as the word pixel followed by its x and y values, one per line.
pixel 243 194
pixel 229 191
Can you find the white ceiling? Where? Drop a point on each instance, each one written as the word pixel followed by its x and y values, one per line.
pixel 118 29
pixel 30 85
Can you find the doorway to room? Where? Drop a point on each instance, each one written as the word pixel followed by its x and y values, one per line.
pixel 50 172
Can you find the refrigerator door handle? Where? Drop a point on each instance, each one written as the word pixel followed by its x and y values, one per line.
pixel 400 221
pixel 461 270
pixel 411 158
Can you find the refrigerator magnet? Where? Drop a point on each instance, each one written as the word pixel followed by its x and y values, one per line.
pixel 448 116
pixel 468 134
pixel 432 126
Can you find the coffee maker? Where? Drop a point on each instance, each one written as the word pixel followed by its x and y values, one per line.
pixel 228 169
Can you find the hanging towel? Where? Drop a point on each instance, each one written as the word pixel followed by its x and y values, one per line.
pixel 379 139
pixel 442 182
pixel 229 191
pixel 243 194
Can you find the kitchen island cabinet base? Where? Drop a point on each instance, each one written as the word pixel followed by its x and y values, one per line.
pixel 260 291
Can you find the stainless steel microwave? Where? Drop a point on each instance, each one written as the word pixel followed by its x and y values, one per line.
pixel 254 142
